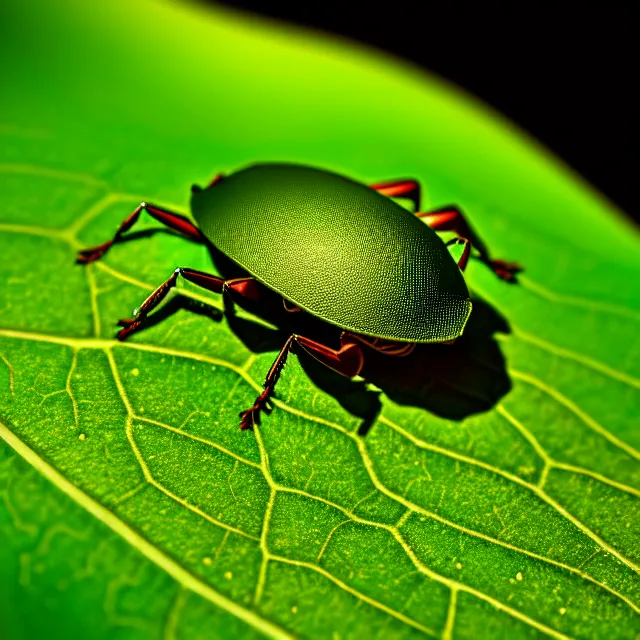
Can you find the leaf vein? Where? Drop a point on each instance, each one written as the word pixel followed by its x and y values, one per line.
pixel 144 467
pixel 550 463
pixel 11 375
pixel 561 298
pixel 576 410
pixel 266 554
pixel 451 613
pixel 191 436
pixel 107 344
pixel 357 594
pixel 580 358
pixel 179 573
pixel 517 480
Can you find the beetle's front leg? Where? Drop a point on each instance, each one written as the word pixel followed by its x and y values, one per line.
pixel 347 360
pixel 246 287
pixel 172 220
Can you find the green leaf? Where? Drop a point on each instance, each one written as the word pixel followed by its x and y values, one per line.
pixel 499 502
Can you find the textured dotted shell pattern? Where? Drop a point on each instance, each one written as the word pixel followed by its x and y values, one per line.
pixel 337 249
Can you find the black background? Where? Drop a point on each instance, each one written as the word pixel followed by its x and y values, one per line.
pixel 569 81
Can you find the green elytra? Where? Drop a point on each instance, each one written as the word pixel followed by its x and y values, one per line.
pixel 342 251
pixel 337 249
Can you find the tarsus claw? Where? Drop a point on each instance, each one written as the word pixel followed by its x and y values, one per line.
pixel 93 253
pixel 505 270
pixel 124 333
pixel 251 417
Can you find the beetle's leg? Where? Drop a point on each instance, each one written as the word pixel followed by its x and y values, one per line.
pixel 400 189
pixel 290 308
pixel 347 360
pixel 217 178
pixel 251 416
pixel 196 188
pixel 246 287
pixel 464 258
pixel 450 218
pixel 388 347
pixel 172 220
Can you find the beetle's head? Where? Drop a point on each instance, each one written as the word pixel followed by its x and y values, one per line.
pixel 196 188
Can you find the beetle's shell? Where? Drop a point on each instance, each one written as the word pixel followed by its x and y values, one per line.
pixel 337 249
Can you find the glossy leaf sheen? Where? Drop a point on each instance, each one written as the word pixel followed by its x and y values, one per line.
pixel 131 506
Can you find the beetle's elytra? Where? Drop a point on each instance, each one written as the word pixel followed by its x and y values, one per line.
pixel 339 250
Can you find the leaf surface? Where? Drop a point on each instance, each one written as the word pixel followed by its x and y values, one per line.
pixel 499 500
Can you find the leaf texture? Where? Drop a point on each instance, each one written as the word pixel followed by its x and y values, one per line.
pixel 500 501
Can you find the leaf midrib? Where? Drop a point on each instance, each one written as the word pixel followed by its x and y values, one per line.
pixel 138 542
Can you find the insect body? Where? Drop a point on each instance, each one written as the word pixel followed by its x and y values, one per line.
pixel 339 250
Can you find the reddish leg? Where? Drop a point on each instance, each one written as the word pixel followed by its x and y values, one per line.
pixel 215 180
pixel 246 287
pixel 347 360
pixel 388 347
pixel 196 188
pixel 290 308
pixel 464 258
pixel 400 189
pixel 172 220
pixel 451 219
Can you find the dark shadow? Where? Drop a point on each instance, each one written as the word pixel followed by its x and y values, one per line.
pixel 451 381
pixel 353 395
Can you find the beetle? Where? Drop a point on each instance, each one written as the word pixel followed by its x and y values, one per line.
pixel 337 249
